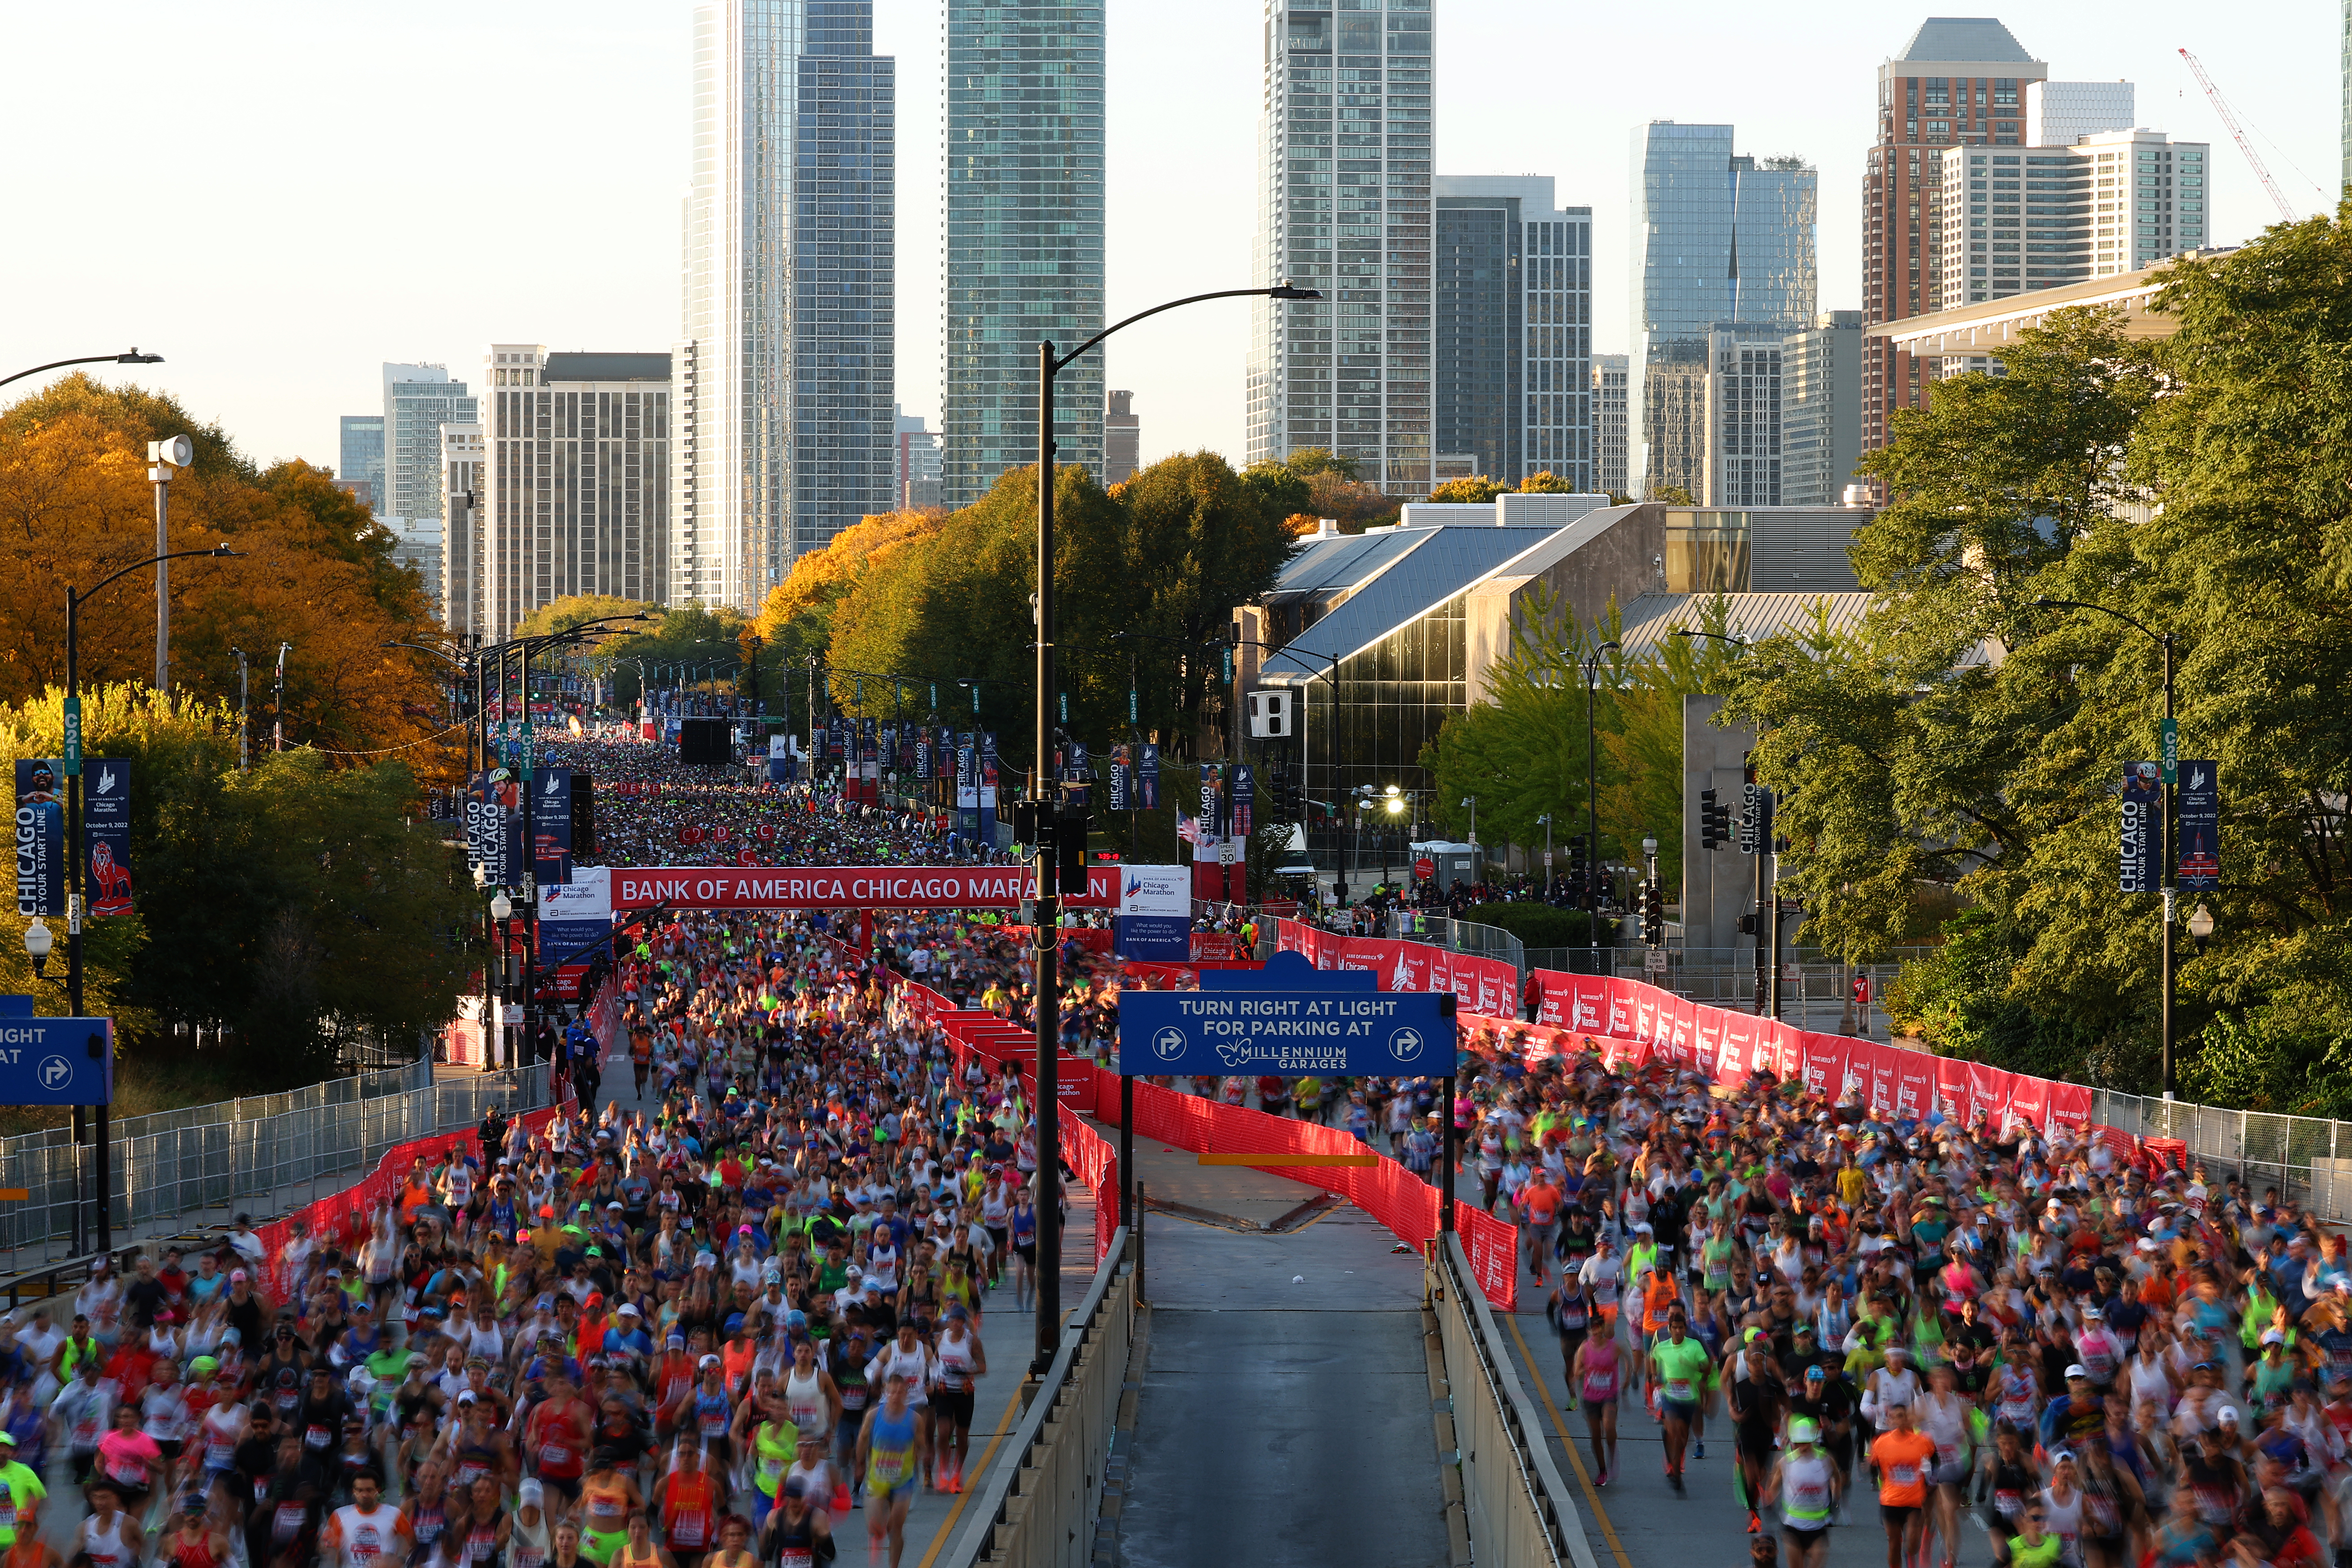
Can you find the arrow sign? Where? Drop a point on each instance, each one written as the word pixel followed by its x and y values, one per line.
pixel 1287 1020
pixel 56 1061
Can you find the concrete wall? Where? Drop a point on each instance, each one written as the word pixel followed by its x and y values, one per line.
pixel 1718 885
pixel 1609 552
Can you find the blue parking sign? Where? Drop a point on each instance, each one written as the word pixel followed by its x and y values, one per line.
pixel 1287 1020
pixel 54 1060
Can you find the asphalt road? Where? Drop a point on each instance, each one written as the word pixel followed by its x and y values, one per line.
pixel 1283 1415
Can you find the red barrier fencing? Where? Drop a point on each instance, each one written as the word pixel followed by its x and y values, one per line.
pixel 1387 1191
pixel 1637 1024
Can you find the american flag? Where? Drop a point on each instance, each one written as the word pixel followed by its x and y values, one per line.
pixel 1188 829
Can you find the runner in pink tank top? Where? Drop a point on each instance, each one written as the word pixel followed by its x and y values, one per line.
pixel 1596 1378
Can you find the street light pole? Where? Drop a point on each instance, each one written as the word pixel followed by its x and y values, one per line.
pixel 277 703
pixel 244 726
pixel 2168 748
pixel 77 860
pixel 1591 661
pixel 1045 932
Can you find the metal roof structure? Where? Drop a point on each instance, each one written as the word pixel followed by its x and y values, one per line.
pixel 1371 583
pixel 591 367
pixel 1972 38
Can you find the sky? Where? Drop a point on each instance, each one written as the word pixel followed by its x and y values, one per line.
pixel 281 197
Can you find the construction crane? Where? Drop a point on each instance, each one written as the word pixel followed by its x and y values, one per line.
pixel 2221 106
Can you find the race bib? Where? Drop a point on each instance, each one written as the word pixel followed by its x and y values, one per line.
pixel 1679 1388
pixel 1904 1475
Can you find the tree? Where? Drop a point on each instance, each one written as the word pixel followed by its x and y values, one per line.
pixel 1179 545
pixel 1969 735
pixel 313 569
pixel 1310 461
pixel 294 904
pixel 1279 490
pixel 1472 492
pixel 1545 482
pixel 1672 495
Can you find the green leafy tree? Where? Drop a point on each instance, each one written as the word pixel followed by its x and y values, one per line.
pixel 1970 733
pixel 1310 461
pixel 1546 482
pixel 1472 492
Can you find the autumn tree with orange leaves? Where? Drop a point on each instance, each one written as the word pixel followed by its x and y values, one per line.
pixel 313 569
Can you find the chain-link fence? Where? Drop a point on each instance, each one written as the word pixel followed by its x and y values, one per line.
pixel 2307 1158
pixel 202 1164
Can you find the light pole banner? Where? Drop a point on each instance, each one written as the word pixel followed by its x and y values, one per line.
pixel 551 826
pixel 40 837
pixel 1147 778
pixel 2200 825
pixel 106 833
pixel 2143 826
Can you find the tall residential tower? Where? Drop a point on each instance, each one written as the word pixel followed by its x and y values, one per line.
pixel 1344 207
pixel 1023 235
pixel 1960 81
pixel 783 367
pixel 1513 329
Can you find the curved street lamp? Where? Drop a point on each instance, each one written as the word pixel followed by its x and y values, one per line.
pixel 134 357
pixel 1046 931
pixel 76 861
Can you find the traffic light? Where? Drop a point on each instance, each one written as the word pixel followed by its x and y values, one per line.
pixel 1070 850
pixel 1653 914
pixel 1714 822
pixel 1576 867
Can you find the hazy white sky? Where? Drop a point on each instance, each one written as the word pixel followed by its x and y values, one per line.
pixel 279 198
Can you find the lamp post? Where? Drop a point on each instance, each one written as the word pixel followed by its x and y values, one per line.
pixel 1592 665
pixel 132 358
pixel 1047 931
pixel 1472 802
pixel 2169 746
pixel 277 703
pixel 76 861
pixel 1546 821
pixel 243 728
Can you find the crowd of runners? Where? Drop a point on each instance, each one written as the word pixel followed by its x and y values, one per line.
pixel 737 1318
pixel 741 1313
pixel 2074 1354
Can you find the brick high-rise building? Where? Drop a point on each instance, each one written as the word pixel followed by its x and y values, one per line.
pixel 1960 81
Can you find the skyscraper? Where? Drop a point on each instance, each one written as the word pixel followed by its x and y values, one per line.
pixel 1344 207
pixel 461 528
pixel 1609 424
pixel 2112 202
pixel 1719 240
pixel 2061 113
pixel 783 366
pixel 574 480
pixel 1820 410
pixel 1023 235
pixel 418 400
pixel 1512 329
pixel 1122 439
pixel 362 458
pixel 1960 81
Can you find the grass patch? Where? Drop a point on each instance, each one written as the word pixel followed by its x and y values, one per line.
pixel 140 1087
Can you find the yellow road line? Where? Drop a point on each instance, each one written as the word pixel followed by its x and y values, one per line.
pixel 1567 1440
pixel 1004 1424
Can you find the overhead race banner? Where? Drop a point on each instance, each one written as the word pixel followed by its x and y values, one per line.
pixel 2200 825
pixel 2143 822
pixel 106 833
pixel 848 887
pixel 1155 914
pixel 1287 1020
pixel 40 837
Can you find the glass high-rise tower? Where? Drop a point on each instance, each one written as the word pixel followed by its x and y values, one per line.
pixel 783 372
pixel 1344 207
pixel 1720 240
pixel 1023 235
pixel 1513 329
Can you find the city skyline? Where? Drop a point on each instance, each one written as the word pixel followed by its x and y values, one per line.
pixel 267 340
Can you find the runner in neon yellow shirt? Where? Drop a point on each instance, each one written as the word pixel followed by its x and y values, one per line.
pixel 1677 1377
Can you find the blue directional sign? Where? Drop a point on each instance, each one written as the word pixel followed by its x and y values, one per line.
pixel 1288 1019
pixel 55 1061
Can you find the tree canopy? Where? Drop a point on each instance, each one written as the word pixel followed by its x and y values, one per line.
pixel 1968 734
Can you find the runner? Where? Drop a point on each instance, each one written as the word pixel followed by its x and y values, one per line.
pixel 1903 1456
pixel 1675 1382
pixel 891 1454
pixel 1806 1485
